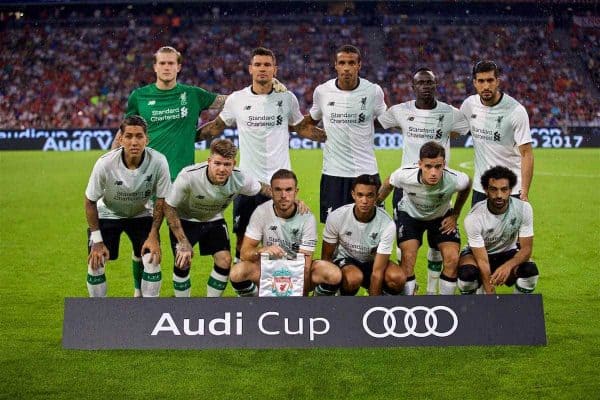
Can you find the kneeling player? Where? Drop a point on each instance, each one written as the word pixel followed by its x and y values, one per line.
pixel 194 210
pixel 117 200
pixel 428 189
pixel 358 238
pixel 493 228
pixel 278 229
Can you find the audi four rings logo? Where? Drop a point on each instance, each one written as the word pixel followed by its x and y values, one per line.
pixel 390 321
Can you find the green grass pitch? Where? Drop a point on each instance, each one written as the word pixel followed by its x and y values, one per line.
pixel 42 261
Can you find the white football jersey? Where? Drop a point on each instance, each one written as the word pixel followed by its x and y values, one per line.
pixel 348 117
pixel 426 202
pixel 359 240
pixel 127 193
pixel 262 122
pixel 421 126
pixel 499 233
pixel 296 233
pixel 199 200
pixel 497 132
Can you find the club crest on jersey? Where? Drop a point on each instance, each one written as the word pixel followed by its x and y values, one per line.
pixel 246 108
pixel 473 116
pixel 295 232
pixel 513 221
pixel 148 178
pixel 411 118
pixel 331 103
pixel 280 106
pixel 147 193
pixel 200 197
pixel 348 233
pixel 118 183
pixel 183 98
pixel 281 285
pixel 273 228
pixel 363 103
pixel 499 121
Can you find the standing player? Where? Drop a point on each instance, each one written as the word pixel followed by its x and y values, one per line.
pixel 276 228
pixel 264 119
pixel 428 188
pixel 348 106
pixel 171 109
pixel 422 120
pixel 493 228
pixel 117 200
pixel 358 238
pixel 500 129
pixel 198 198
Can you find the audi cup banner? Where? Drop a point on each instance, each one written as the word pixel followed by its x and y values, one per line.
pixel 386 321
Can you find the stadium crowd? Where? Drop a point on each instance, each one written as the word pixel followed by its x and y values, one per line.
pixel 59 76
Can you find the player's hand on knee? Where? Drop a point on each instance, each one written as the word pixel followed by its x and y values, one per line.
pixel 278 87
pixel 500 276
pixel 448 225
pixel 98 254
pixel 152 246
pixel 183 255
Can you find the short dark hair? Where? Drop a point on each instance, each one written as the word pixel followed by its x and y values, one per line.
pixel 169 49
pixel 370 180
pixel 284 174
pixel 134 120
pixel 347 48
pixel 432 149
pixel 486 66
pixel 498 172
pixel 223 147
pixel 263 51
pixel 423 69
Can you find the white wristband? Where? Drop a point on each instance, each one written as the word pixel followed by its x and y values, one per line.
pixel 96 237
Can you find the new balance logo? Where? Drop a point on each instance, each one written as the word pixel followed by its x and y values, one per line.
pixel 148 178
pixel 331 103
pixel 118 183
pixel 348 233
pixel 151 102
pixel 200 197
pixel 273 228
pixel 473 116
pixel 374 235
pixel 247 108
pixel 411 118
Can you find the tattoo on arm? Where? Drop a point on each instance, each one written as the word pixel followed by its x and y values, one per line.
pixel 219 102
pixel 158 215
pixel 210 129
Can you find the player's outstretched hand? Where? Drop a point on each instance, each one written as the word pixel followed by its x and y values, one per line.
pixel 98 254
pixel 183 255
pixel 278 87
pixel 448 225
pixel 152 246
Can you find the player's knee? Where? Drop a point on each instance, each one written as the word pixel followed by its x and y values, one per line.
pixel 527 269
pixel 394 282
pixel 468 279
pixel 239 272
pixel 223 259
pixel 351 282
pixel 450 262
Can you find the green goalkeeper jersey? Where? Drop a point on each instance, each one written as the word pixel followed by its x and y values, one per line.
pixel 172 117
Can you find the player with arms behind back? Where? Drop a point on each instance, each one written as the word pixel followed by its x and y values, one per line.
pixel 117 200
pixel 348 106
pixel 499 125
